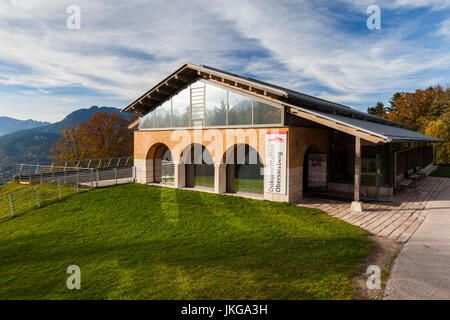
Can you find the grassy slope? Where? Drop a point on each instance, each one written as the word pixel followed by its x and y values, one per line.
pixel 24 196
pixel 441 171
pixel 136 241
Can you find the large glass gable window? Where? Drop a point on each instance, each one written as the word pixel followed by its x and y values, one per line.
pixel 204 104
pixel 264 113
pixel 216 106
pixel 181 105
pixel 240 109
pixel 163 115
pixel 148 121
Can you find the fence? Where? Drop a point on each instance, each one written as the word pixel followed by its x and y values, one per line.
pixel 93 163
pixel 10 173
pixel 92 177
pixel 46 183
pixel 34 196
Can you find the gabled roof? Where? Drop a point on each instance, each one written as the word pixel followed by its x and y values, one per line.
pixel 385 130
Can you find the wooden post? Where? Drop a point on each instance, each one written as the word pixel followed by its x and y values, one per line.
pixel 357 167
pixel 377 175
pixel 37 197
pixel 78 180
pixel 356 204
pixel 11 205
pixel 59 190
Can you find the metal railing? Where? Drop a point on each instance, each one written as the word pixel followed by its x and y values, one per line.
pixel 43 183
pixel 8 175
pixel 92 177
pixel 93 163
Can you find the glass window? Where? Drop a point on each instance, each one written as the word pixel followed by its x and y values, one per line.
pixel 167 168
pixel 216 106
pixel 342 157
pixel 199 167
pixel 180 105
pixel 240 111
pixel 163 115
pixel 265 114
pixel 373 166
pixel 147 121
pixel 245 171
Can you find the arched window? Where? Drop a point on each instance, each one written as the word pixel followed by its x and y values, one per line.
pixel 167 168
pixel 245 170
pixel 199 168
pixel 161 168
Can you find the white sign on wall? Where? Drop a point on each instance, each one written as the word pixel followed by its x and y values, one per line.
pixel 275 172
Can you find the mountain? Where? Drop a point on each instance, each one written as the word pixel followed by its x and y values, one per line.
pixel 8 125
pixel 73 119
pixel 33 145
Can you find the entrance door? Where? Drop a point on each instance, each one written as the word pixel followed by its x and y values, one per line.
pixel 315 172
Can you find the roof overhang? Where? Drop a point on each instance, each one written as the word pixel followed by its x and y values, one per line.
pixel 370 131
pixel 190 73
pixel 327 113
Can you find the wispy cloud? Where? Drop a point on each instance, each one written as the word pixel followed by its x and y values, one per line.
pixel 122 49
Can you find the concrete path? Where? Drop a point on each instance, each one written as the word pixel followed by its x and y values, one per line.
pixel 422 269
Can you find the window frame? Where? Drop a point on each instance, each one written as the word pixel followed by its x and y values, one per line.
pixel 280 106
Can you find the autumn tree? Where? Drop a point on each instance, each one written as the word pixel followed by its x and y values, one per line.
pixel 104 135
pixel 440 128
pixel 416 109
pixel 426 111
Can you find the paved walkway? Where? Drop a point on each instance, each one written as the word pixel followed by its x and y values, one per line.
pixel 422 269
pixel 397 222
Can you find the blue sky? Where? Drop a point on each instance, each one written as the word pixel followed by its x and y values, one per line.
pixel 124 47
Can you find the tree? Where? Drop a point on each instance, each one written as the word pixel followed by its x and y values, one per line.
pixel 416 109
pixel 104 135
pixel 393 106
pixel 379 110
pixel 440 129
pixel 426 111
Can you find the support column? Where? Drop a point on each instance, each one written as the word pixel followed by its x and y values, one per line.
pixel 357 204
pixel 220 178
pixel 143 170
pixel 180 175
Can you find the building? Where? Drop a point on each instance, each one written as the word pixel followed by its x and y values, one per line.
pixel 209 129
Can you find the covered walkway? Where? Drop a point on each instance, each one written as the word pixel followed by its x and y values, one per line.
pixel 397 219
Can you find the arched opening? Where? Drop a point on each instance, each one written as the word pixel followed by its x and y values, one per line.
pixel 161 168
pixel 199 167
pixel 314 170
pixel 245 170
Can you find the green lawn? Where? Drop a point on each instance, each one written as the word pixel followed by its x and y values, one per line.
pixel 144 242
pixel 441 171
